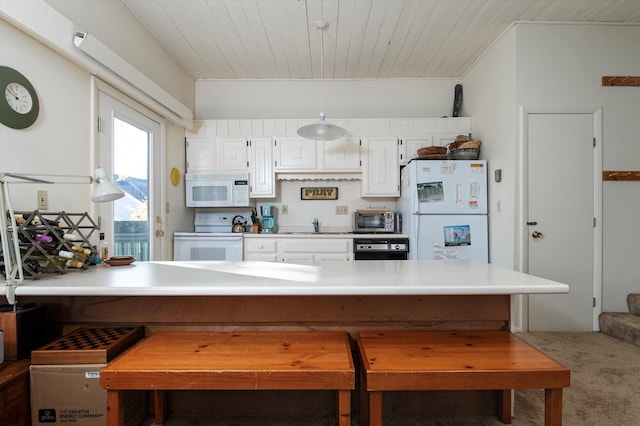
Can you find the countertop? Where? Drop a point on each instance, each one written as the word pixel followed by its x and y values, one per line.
pixel 323 235
pixel 254 278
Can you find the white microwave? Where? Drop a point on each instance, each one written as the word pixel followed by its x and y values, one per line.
pixel 217 189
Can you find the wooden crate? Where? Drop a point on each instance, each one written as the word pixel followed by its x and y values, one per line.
pixel 88 346
pixel 23 330
pixel 14 393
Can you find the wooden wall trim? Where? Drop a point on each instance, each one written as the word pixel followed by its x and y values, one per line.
pixel 350 313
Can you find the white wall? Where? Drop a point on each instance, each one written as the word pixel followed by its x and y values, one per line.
pixel 246 99
pixel 489 97
pixel 560 67
pixel 302 212
pixel 114 25
pixel 60 141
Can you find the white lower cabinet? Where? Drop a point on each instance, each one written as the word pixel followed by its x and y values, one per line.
pixel 298 249
pixel 260 249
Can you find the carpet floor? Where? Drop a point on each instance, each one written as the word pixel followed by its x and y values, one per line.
pixel 604 389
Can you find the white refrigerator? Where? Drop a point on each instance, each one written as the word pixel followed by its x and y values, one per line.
pixel 444 209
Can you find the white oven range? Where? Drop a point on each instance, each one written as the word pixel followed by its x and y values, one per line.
pixel 212 239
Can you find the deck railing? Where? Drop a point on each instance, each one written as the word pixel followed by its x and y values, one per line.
pixel 131 239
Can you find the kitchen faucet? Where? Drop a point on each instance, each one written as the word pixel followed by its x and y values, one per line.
pixel 316 225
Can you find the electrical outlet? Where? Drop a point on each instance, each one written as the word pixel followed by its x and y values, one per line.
pixel 285 209
pixel 342 209
pixel 43 200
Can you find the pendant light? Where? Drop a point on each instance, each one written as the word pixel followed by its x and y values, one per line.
pixel 322 129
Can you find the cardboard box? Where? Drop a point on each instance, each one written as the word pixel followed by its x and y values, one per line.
pixel 71 395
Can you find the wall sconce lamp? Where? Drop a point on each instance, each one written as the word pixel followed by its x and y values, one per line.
pixel 104 191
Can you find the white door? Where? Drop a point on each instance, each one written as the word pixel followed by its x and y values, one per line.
pixel 130 151
pixel 560 221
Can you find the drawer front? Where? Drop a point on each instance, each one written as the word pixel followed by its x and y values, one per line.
pixel 318 245
pixel 259 245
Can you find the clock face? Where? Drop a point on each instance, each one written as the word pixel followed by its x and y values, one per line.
pixel 19 106
pixel 18 98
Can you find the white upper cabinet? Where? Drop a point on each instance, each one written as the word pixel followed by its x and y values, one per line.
pixel 261 175
pixel 380 171
pixel 250 145
pixel 217 154
pixel 409 147
pixel 201 155
pixel 233 154
pixel 339 155
pixel 295 154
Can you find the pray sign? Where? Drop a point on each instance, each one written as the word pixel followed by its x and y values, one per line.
pixel 328 193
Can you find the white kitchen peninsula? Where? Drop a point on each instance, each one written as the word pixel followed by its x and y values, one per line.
pixel 220 278
pixel 349 296
pixel 276 296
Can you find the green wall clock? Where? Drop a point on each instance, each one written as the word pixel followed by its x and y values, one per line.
pixel 19 106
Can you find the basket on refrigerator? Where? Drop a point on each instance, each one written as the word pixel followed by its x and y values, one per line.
pixel 464 150
pixel 433 152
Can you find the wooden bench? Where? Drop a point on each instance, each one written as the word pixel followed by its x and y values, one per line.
pixel 461 360
pixel 231 361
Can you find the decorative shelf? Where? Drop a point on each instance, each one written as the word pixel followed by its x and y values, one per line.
pixel 613 80
pixel 621 175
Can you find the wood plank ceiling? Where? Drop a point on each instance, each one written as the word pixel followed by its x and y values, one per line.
pixel 366 39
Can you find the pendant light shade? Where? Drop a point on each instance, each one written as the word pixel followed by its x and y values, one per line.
pixel 322 129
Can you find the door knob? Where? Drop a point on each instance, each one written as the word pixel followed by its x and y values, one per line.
pixel 536 234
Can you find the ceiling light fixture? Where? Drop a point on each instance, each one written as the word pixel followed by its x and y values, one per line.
pixel 322 129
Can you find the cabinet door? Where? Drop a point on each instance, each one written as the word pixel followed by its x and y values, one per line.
pixel 380 167
pixel 201 155
pixel 314 249
pixel 409 147
pixel 342 257
pixel 297 257
pixel 295 154
pixel 342 154
pixel 444 140
pixel 262 257
pixel 232 153
pixel 261 175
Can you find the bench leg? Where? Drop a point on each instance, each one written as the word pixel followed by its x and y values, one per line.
pixel 159 407
pixel 375 408
pixel 504 409
pixel 344 408
pixel 553 407
pixel 115 408
pixel 363 399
